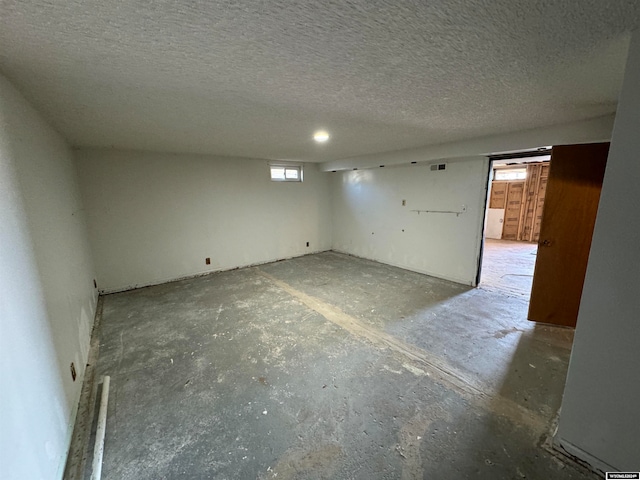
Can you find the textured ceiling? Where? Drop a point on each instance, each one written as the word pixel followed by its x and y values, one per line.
pixel 256 78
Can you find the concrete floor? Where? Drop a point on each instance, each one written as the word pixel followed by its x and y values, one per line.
pixel 329 367
pixel 507 267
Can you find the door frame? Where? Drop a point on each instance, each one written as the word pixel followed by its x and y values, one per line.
pixel 540 152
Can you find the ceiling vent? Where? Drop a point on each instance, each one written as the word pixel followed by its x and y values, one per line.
pixel 438 166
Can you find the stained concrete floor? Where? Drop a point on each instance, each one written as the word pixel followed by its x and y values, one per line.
pixel 329 367
pixel 507 267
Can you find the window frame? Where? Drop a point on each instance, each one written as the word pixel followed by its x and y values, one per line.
pixel 497 171
pixel 287 166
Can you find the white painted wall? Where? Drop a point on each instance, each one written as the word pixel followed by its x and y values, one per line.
pixel 600 411
pixel 47 299
pixel 495 222
pixel 369 218
pixel 155 217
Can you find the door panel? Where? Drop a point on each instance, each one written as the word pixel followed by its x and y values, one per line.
pixel 570 208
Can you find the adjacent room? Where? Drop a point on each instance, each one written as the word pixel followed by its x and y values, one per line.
pixel 307 240
pixel 515 205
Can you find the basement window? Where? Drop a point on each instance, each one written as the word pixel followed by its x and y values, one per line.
pixel 511 174
pixel 286 173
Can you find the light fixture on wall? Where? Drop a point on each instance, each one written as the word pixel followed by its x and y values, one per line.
pixel 321 136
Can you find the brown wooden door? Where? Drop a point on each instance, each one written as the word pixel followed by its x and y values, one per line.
pixel 570 208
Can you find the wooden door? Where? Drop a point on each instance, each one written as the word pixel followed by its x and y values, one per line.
pixel 570 207
pixel 512 210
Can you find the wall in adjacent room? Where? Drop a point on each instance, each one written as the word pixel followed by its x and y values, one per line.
pixel 155 217
pixel 370 221
pixel 600 413
pixel 48 300
pixel 495 222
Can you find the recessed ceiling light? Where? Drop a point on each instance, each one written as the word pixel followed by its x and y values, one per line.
pixel 321 136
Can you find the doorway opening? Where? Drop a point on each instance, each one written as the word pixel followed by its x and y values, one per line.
pixel 566 189
pixel 515 203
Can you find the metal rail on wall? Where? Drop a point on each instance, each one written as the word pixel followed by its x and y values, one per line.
pixel 462 210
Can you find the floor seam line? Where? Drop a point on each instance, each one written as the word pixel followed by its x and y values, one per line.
pixel 446 374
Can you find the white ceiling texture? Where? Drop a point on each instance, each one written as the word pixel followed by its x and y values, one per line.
pixel 256 78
